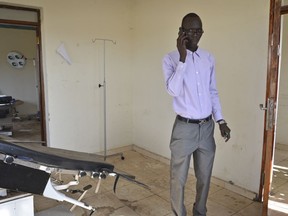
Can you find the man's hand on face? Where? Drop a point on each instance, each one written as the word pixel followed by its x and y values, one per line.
pixel 182 40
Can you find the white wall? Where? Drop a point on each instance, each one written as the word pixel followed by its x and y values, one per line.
pixel 236 33
pixel 282 115
pixel 20 83
pixel 74 101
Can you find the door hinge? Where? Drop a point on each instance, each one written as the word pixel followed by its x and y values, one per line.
pixel 278 50
pixel 262 178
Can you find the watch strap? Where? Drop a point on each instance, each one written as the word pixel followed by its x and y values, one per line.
pixel 221 121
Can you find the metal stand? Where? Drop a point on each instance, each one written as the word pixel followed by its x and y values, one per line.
pixel 104 86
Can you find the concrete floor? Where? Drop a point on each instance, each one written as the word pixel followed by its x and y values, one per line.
pixel 278 201
pixel 133 200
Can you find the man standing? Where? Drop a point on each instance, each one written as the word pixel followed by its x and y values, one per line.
pixel 190 78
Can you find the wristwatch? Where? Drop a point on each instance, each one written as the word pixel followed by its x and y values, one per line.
pixel 221 121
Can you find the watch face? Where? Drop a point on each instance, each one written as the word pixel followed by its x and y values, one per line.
pixel 16 59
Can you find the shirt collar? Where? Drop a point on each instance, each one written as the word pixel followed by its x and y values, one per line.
pixel 197 52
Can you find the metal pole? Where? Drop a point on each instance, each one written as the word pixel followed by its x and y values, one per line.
pixel 104 95
pixel 105 112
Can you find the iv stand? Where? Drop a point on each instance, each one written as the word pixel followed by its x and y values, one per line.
pixel 104 87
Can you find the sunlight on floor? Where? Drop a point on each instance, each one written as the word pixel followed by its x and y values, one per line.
pixel 278 206
pixel 278 201
pixel 280 167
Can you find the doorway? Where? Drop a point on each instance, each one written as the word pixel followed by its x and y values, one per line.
pixel 273 191
pixel 278 200
pixel 22 113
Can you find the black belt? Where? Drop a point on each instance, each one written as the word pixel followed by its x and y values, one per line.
pixel 194 121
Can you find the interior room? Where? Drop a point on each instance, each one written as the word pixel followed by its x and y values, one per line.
pixel 20 83
pixel 92 82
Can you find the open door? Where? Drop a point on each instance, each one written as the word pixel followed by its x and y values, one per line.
pixel 277 8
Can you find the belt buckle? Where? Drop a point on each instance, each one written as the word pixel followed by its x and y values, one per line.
pixel 203 121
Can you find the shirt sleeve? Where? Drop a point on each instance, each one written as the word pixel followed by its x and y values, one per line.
pixel 174 75
pixel 216 106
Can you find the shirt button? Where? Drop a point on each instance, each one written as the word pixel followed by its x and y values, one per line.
pixel 196 72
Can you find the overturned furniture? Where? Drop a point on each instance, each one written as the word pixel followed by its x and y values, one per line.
pixel 28 168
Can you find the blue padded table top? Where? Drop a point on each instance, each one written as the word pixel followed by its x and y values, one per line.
pixel 54 157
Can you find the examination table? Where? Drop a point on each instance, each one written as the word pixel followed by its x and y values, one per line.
pixel 28 167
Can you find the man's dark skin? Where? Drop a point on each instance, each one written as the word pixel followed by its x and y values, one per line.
pixel 188 38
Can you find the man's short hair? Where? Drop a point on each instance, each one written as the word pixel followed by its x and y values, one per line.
pixel 191 15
